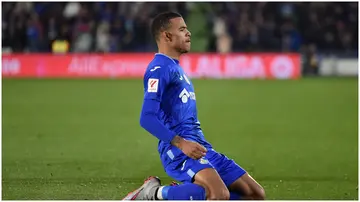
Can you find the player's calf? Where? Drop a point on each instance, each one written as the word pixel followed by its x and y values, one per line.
pixel 248 188
pixel 152 190
pixel 186 191
pixel 221 194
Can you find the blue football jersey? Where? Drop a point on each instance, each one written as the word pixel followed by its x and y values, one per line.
pixel 166 82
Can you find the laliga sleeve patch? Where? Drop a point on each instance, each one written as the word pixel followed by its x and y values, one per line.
pixel 153 85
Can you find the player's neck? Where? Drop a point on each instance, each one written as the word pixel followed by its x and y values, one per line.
pixel 171 54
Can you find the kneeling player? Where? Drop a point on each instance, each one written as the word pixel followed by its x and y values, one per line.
pixel 169 113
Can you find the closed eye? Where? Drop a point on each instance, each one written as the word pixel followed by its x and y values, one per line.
pixel 182 28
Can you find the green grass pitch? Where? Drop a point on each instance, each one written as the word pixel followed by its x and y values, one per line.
pixel 81 139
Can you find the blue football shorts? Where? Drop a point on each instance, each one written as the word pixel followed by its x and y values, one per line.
pixel 183 168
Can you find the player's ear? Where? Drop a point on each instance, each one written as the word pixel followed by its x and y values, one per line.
pixel 168 36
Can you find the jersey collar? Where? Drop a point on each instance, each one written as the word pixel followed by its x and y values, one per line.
pixel 172 59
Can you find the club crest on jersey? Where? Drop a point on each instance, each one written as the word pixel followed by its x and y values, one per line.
pixel 203 161
pixel 185 95
pixel 153 85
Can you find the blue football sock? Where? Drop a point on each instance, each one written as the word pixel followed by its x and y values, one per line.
pixel 186 191
pixel 234 196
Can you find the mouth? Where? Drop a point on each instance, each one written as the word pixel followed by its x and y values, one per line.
pixel 188 41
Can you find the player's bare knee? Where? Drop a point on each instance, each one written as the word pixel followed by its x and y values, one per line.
pixel 259 194
pixel 220 194
pixel 262 194
pixel 225 195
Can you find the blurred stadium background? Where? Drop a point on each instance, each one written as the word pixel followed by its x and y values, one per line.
pixel 276 86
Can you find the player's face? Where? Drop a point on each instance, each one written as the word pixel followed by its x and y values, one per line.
pixel 180 35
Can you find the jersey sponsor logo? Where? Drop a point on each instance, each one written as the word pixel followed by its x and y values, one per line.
pixel 155 68
pixel 185 95
pixel 192 96
pixel 153 85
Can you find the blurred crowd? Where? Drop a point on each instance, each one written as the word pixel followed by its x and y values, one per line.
pixel 221 27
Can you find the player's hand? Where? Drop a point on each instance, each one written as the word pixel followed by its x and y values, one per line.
pixel 191 149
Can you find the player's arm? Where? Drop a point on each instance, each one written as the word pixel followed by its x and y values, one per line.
pixel 155 84
pixel 150 122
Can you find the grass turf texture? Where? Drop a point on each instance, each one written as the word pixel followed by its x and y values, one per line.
pixel 80 139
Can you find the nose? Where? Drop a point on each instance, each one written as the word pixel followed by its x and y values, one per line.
pixel 188 34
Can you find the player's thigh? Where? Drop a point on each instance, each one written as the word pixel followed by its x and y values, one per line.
pixel 181 167
pixel 187 170
pixel 227 168
pixel 213 184
pixel 248 188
